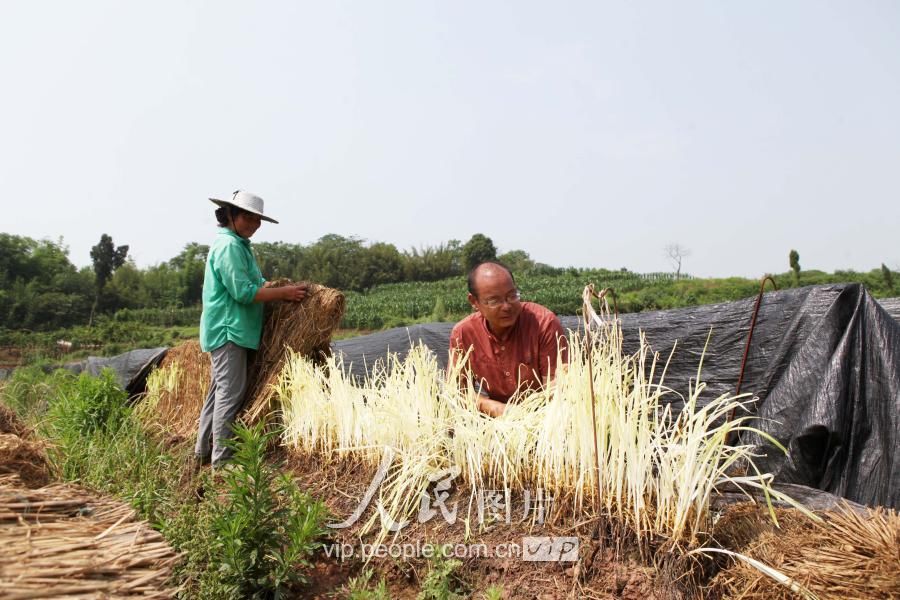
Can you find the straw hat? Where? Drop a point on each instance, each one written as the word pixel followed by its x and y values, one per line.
pixel 246 201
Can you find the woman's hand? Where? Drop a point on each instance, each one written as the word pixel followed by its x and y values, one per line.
pixel 293 293
pixel 289 293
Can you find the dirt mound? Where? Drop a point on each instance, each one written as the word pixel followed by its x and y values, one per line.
pixel 610 572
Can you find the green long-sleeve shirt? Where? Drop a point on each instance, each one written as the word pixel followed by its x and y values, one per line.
pixel 230 283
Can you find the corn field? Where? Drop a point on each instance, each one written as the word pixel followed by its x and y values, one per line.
pixel 399 303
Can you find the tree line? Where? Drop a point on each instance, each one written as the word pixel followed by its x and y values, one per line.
pixel 40 288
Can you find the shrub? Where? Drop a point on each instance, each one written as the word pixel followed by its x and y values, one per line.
pixel 266 528
pixel 89 405
pixel 441 582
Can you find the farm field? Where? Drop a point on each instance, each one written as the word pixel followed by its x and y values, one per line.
pixel 431 301
pixel 655 530
pixel 398 304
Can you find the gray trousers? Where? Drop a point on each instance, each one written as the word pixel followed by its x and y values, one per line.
pixel 225 398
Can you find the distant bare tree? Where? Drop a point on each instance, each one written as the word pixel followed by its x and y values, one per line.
pixel 676 253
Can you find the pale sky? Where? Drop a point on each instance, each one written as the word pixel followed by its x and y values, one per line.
pixel 586 133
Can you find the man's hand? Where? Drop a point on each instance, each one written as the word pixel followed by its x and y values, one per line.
pixel 293 293
pixel 492 408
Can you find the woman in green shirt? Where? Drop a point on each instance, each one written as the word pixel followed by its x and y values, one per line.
pixel 231 323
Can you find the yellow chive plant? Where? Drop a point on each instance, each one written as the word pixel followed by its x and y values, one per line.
pixel 657 470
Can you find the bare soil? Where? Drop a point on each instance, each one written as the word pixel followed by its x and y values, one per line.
pixel 602 571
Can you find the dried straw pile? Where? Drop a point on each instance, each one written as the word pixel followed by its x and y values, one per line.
pixel 19 452
pixel 177 389
pixel 25 458
pixel 305 327
pixel 850 555
pixel 180 387
pixel 61 542
pixel 10 422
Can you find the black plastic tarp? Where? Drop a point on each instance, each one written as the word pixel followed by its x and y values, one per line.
pixel 892 306
pixel 131 368
pixel 824 363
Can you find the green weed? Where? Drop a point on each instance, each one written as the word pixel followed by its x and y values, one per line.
pixel 442 582
pixel 495 592
pixel 97 441
pixel 248 537
pixel 359 588
pixel 265 529
pixel 30 389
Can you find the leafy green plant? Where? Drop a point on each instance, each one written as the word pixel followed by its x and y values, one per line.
pixel 265 528
pixel 358 588
pixel 97 441
pixel 441 582
pixel 189 528
pixel 246 538
pixel 31 388
pixel 90 404
pixel 495 592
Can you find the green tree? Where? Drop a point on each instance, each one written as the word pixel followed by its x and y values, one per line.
pixel 190 265
pixel 162 287
pixel 517 261
pixel 39 287
pixel 127 285
pixel 336 261
pixel 479 249
pixel 106 258
pixel 382 263
pixel 279 259
pixel 794 259
pixel 15 258
pixel 888 277
pixel 432 263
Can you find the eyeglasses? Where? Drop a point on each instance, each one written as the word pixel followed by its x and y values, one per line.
pixel 511 298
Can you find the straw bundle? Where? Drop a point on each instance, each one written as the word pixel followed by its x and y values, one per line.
pixel 177 388
pixel 849 555
pixel 60 542
pixel 304 327
pixel 25 458
pixel 10 422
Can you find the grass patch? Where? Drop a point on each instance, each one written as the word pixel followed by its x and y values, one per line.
pixel 250 536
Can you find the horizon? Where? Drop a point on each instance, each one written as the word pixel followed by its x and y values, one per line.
pixel 686 273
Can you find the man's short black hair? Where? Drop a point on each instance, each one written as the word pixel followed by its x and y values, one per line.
pixel 471 278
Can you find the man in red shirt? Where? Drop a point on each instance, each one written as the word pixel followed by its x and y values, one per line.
pixel 514 345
